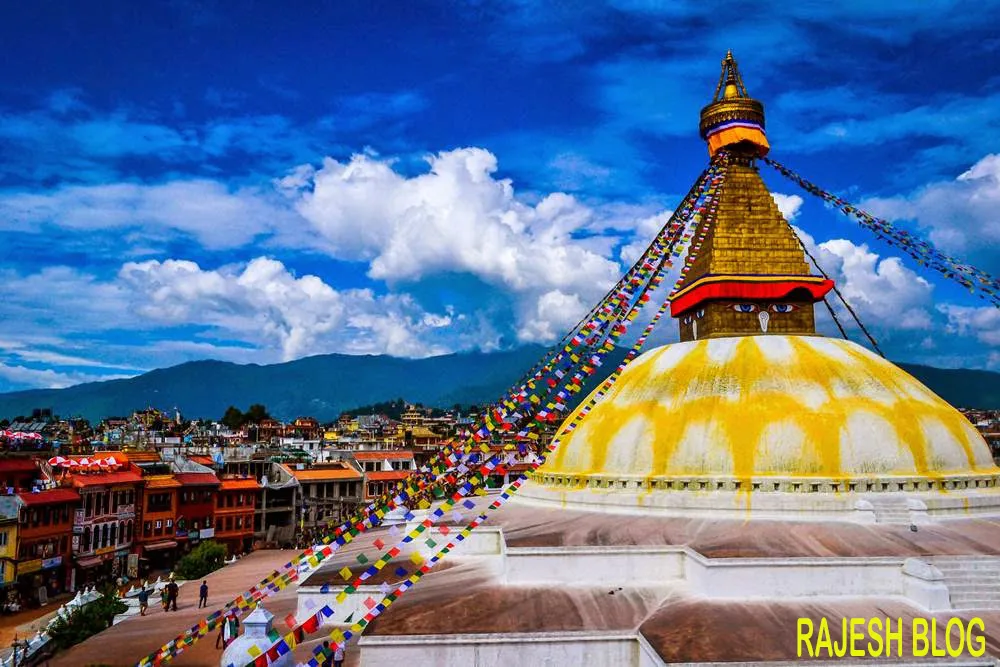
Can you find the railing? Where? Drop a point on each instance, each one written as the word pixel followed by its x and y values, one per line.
pixel 23 652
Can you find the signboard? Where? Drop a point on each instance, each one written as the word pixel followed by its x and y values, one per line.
pixel 181 533
pixel 51 562
pixel 29 566
pixel 126 511
pixel 105 550
pixel 76 543
pixel 78 519
pixel 207 533
pixel 77 529
pixel 133 566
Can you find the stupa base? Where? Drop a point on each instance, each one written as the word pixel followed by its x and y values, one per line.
pixel 895 500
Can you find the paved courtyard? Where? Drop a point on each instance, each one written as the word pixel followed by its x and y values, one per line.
pixel 127 642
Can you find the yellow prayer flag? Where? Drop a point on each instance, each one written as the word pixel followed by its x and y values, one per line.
pixel 423 504
pixel 416 558
pixel 341 596
pixel 346 573
pixel 254 651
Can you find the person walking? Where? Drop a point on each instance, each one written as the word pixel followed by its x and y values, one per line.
pixel 327 655
pixel 203 595
pixel 338 656
pixel 172 590
pixel 143 600
pixel 164 598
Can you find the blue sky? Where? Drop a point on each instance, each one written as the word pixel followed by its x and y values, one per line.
pixel 259 182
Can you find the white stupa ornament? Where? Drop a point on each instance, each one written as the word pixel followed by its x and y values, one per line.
pixel 255 629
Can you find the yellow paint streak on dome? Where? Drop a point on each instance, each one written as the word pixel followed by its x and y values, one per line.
pixel 734 407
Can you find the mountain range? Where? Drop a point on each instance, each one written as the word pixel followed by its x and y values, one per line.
pixel 323 386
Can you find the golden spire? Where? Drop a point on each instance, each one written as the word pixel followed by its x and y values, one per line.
pixel 730 81
pixel 733 117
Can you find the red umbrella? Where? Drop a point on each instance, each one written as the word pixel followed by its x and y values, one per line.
pixel 57 461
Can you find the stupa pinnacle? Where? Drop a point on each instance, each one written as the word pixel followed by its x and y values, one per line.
pixel 750 275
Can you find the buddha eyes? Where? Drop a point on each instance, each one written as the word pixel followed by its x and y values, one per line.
pixel 687 320
pixel 700 314
pixel 752 307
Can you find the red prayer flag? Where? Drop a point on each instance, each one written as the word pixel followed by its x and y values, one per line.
pixel 379 543
pixel 290 621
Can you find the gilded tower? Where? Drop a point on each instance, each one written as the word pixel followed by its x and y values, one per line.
pixel 750 276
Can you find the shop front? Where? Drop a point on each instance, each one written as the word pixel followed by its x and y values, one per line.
pixel 39 579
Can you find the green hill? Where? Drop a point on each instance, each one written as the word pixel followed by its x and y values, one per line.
pixel 324 386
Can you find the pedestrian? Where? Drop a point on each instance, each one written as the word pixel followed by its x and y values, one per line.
pixel 203 595
pixel 327 654
pixel 338 656
pixel 172 595
pixel 164 598
pixel 143 600
pixel 230 629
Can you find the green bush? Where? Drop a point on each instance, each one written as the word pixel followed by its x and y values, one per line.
pixel 86 621
pixel 205 558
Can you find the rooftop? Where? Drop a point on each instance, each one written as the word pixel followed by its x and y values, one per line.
pixel 162 482
pixel 324 473
pixel 197 478
pixel 49 497
pixel 384 455
pixel 233 484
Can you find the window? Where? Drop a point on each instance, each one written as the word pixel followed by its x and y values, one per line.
pixel 229 523
pixel 170 523
pixel 114 534
pixel 3 539
pixel 239 522
pixel 128 531
pixel 147 528
pixel 239 500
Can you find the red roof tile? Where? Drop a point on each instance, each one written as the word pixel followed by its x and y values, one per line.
pixel 203 460
pixel 235 484
pixel 50 496
pixel 17 465
pixel 383 456
pixel 387 475
pixel 197 478
pixel 106 478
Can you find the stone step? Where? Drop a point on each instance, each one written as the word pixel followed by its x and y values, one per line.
pixel 984 570
pixel 963 586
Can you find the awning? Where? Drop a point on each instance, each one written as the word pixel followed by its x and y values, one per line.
pixel 156 546
pixel 89 561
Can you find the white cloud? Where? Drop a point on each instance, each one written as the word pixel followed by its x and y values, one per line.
pixel 217 217
pixel 961 215
pixel 265 304
pixel 982 322
pixel 457 218
pixel 16 375
pixel 881 290
pixel 789 205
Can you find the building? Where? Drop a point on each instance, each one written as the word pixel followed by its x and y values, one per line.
pixel 327 492
pixel 9 514
pixel 383 469
pixel 156 543
pixel 275 518
pixel 723 490
pixel 44 543
pixel 196 508
pixel 236 504
pixel 18 474
pixel 104 523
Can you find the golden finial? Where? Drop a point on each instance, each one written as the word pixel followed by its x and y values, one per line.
pixel 733 116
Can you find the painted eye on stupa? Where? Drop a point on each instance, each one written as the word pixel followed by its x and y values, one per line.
pixel 745 307
pixel 700 314
pixel 687 320
pixel 783 307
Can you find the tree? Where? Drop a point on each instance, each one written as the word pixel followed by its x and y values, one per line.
pixel 233 418
pixel 256 414
pixel 86 621
pixel 205 558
